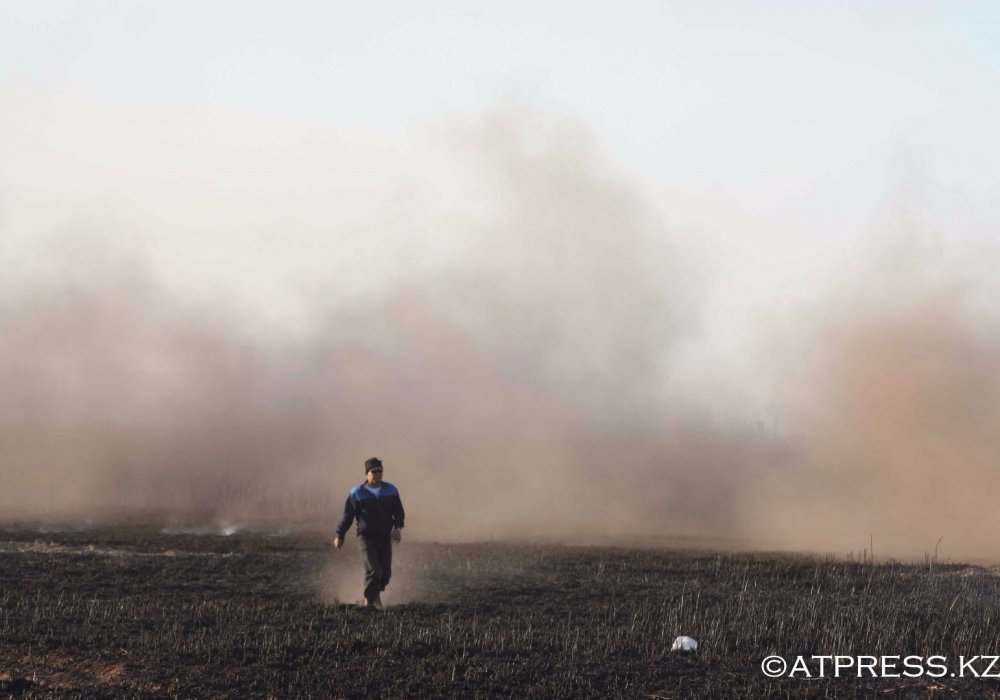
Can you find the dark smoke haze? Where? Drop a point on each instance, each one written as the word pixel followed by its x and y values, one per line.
pixel 519 387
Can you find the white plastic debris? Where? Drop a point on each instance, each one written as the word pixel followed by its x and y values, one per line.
pixel 684 644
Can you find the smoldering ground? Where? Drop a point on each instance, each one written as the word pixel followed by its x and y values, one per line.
pixel 512 361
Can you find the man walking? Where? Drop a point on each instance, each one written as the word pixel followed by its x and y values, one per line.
pixel 379 512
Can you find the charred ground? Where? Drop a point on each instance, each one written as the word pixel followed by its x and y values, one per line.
pixel 136 611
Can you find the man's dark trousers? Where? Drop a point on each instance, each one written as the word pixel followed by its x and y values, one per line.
pixel 377 551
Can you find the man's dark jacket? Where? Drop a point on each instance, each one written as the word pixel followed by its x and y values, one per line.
pixel 376 515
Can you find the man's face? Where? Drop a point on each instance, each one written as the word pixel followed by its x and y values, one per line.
pixel 374 476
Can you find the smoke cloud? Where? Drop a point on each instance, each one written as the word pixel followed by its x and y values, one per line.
pixel 898 406
pixel 530 358
pixel 510 353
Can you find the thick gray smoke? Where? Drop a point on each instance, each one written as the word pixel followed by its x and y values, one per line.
pixel 898 403
pixel 512 362
pixel 518 388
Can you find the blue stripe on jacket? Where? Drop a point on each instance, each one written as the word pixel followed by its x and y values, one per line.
pixel 376 515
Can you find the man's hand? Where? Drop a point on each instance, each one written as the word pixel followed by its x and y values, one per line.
pixel 397 535
pixel 337 542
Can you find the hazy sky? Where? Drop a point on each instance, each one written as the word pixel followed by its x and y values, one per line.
pixel 779 139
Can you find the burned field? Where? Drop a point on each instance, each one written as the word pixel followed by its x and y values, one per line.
pixel 135 611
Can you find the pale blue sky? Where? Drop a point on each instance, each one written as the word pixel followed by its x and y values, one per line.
pixel 680 89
